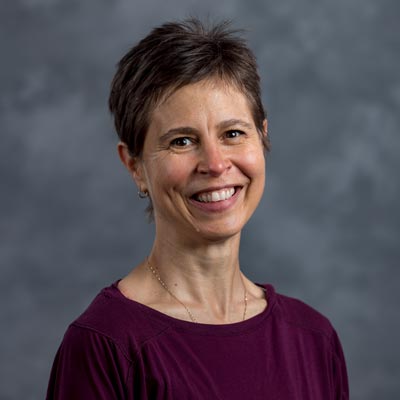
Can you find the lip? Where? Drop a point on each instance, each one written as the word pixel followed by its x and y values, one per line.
pixel 214 189
pixel 218 206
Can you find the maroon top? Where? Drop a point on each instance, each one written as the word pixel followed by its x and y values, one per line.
pixel 121 349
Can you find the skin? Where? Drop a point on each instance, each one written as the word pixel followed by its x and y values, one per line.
pixel 201 139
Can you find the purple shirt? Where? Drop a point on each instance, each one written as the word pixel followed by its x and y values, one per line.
pixel 121 349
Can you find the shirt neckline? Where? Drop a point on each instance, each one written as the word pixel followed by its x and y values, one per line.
pixel 201 328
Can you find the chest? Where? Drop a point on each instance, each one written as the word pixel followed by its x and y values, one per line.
pixel 246 366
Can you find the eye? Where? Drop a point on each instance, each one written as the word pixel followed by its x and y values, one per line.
pixel 181 141
pixel 232 134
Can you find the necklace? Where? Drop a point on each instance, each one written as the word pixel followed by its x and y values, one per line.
pixel 191 316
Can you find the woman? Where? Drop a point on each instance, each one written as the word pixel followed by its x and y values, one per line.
pixel 186 323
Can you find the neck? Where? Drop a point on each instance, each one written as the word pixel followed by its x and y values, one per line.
pixel 205 276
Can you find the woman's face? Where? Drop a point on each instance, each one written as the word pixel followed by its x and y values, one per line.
pixel 203 162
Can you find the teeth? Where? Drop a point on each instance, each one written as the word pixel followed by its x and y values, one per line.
pixel 219 195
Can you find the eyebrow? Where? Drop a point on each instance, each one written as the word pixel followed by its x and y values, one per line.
pixel 231 122
pixel 187 130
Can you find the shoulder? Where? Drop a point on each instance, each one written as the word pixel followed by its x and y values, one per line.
pixel 124 322
pixel 99 348
pixel 306 333
pixel 302 324
pixel 298 315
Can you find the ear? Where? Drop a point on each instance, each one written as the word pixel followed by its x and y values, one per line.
pixel 265 127
pixel 266 142
pixel 134 166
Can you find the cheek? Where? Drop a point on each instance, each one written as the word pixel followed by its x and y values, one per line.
pixel 253 163
pixel 171 174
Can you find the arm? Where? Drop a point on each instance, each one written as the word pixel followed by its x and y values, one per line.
pixel 340 379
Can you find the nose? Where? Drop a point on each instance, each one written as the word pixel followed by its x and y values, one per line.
pixel 213 160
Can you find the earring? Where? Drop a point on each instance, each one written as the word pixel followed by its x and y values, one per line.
pixel 143 194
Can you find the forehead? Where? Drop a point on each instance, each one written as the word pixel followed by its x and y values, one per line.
pixel 211 100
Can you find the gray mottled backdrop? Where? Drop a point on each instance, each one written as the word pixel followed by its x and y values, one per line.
pixel 327 230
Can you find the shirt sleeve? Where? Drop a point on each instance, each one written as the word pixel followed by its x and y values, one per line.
pixel 88 366
pixel 340 379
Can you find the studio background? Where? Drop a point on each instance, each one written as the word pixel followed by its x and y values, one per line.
pixel 327 230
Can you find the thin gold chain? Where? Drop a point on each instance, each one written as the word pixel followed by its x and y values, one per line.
pixel 191 316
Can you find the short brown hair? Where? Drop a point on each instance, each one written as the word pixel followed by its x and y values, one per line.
pixel 173 55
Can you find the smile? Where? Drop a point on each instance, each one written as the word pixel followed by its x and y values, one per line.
pixel 215 196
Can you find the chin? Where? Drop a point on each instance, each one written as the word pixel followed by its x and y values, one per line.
pixel 217 232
